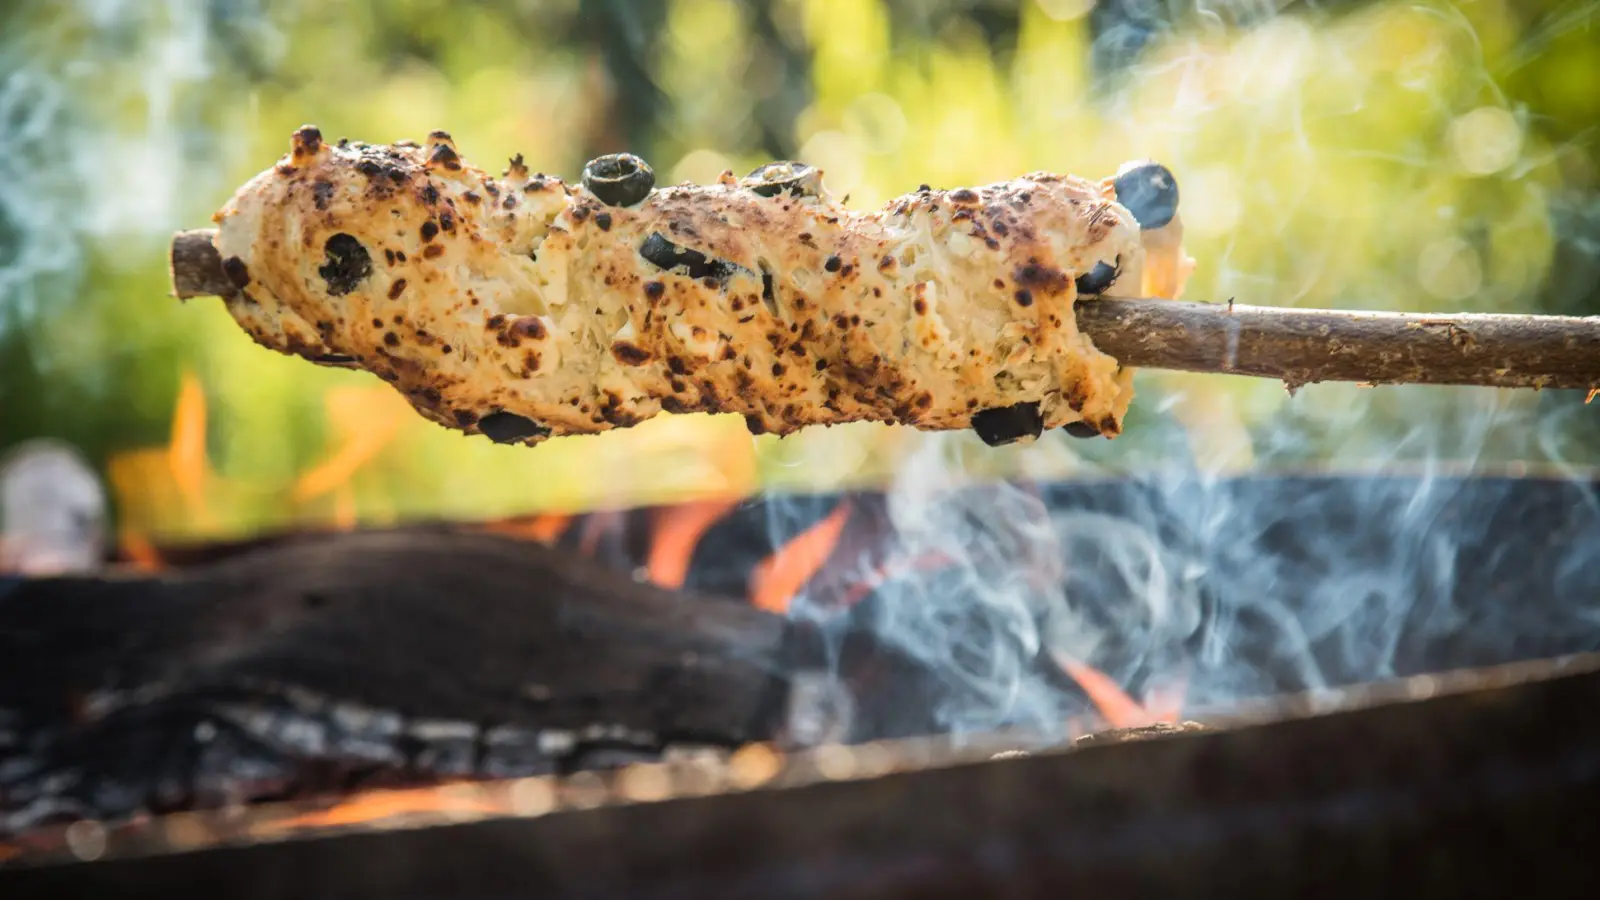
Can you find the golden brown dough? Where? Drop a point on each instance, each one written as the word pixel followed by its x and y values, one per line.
pixel 524 307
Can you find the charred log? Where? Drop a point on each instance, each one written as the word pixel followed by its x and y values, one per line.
pixel 393 657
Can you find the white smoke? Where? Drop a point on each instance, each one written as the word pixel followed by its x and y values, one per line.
pixel 105 141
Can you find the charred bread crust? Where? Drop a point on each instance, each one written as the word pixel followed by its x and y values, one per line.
pixel 529 304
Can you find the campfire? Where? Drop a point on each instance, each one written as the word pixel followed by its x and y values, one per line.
pixel 470 562
pixel 521 694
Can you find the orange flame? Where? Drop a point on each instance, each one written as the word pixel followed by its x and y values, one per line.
pixel 678 530
pixel 1114 704
pixel 150 482
pixel 545 528
pixel 344 507
pixel 927 561
pixel 141 555
pixel 186 449
pixel 597 525
pixel 779 577
pixel 369 418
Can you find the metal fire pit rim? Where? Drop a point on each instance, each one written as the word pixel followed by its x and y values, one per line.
pixel 572 797
pixel 1460 776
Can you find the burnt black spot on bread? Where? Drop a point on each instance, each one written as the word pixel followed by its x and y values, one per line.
pixel 1035 276
pixel 396 289
pixel 1008 424
pixel 446 156
pixel 768 293
pixel 507 428
pixel 430 230
pixel 629 354
pixel 321 192
pixel 307 140
pixel 529 326
pixel 347 264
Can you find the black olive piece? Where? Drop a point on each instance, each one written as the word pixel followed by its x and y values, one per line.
pixel 347 264
pixel 335 359
pixel 660 252
pixel 773 179
pixel 507 428
pixel 1149 191
pixel 1081 429
pixel 1097 281
pixel 1008 424
pixel 619 179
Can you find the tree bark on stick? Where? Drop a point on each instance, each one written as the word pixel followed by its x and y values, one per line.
pixel 1298 346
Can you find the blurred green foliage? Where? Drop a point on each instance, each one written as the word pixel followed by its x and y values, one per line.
pixel 1385 155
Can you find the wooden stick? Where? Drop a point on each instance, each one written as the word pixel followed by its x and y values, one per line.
pixel 1298 346
pixel 1305 346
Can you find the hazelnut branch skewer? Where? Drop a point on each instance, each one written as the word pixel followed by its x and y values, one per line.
pixel 1297 346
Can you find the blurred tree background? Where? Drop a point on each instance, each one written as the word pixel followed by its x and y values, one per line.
pixel 1380 155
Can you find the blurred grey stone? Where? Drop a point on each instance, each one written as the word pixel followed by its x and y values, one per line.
pixel 52 511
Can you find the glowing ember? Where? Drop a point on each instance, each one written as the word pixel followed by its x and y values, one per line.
pixel 375 807
pixel 779 577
